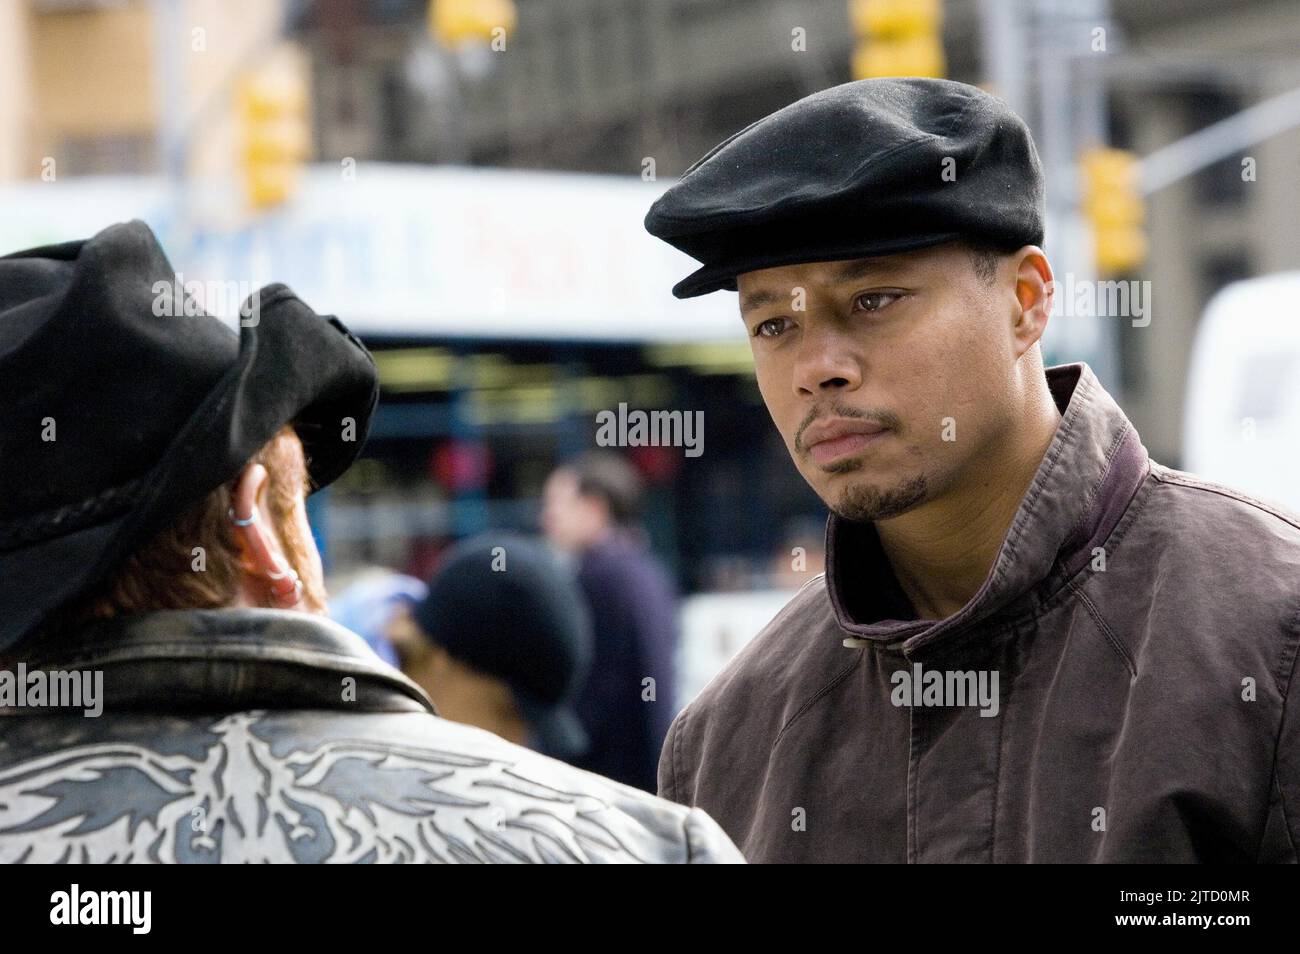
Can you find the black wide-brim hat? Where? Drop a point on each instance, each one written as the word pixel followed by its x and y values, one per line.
pixel 123 408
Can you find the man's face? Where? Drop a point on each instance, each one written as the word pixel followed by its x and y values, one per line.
pixel 570 520
pixel 888 377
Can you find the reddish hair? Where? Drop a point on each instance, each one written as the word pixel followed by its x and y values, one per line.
pixel 161 575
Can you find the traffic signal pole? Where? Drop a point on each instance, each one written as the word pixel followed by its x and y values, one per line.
pixel 1043 44
pixel 1194 152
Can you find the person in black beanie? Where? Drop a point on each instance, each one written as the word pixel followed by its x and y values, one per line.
pixel 501 641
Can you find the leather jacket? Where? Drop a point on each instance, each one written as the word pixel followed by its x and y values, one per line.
pixel 265 735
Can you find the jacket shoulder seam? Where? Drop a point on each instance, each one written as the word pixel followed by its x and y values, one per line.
pixel 1115 643
pixel 1176 478
pixel 834 681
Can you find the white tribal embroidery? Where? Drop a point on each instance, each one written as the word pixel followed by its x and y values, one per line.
pixel 345 801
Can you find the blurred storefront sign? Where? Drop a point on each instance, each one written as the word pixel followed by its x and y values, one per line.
pixel 716 626
pixel 415 251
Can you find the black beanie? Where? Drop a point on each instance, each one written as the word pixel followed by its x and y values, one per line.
pixel 503 604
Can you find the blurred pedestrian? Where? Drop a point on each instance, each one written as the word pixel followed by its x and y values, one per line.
pixel 501 641
pixel 591 509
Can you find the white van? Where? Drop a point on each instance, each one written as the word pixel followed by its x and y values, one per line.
pixel 1242 424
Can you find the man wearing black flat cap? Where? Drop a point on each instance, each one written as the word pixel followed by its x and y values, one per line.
pixel 154 468
pixel 1031 642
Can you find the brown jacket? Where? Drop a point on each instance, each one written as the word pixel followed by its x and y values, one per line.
pixel 1142 625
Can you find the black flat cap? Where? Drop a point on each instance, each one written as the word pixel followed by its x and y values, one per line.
pixel 872 167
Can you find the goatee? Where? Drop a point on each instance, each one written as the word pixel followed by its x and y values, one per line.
pixel 863 504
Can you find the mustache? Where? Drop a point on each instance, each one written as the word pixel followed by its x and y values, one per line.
pixel 885 419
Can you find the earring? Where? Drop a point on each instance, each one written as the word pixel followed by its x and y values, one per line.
pixel 286 586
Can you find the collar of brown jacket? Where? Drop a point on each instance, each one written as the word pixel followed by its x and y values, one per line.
pixel 1085 481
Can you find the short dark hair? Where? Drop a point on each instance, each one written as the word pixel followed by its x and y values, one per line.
pixel 986 257
pixel 611 478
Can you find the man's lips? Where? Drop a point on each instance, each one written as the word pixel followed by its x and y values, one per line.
pixel 832 439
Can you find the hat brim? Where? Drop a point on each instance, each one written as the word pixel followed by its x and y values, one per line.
pixel 293 367
pixel 721 276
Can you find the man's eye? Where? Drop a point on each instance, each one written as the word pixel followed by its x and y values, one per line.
pixel 874 301
pixel 770 328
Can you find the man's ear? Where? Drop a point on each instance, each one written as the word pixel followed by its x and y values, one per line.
pixel 1034 290
pixel 260 553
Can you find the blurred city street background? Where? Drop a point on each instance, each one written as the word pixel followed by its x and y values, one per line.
pixel 463 183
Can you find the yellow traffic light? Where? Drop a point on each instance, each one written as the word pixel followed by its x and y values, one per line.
pixel 1114 208
pixel 454 23
pixel 897 38
pixel 914 56
pixel 895 17
pixel 273 111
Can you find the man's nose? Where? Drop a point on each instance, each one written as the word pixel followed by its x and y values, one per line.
pixel 827 360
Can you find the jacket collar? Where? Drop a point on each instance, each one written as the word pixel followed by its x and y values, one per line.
pixel 224 659
pixel 1092 468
